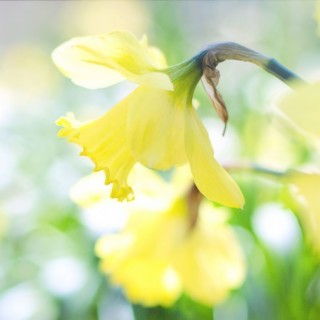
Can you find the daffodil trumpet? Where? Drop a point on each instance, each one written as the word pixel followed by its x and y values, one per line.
pixel 155 125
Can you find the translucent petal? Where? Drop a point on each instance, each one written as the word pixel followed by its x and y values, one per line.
pixel 210 178
pixel 303 108
pixel 71 61
pixel 103 60
pixel 156 128
pixel 104 142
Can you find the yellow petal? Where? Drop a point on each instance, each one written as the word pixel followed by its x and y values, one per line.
pixel 302 107
pixel 156 128
pixel 149 282
pixel 147 184
pixel 308 186
pixel 156 57
pixel 89 190
pixel 104 142
pixel 112 249
pixel 210 178
pixel 157 233
pixel 99 61
pixel 139 259
pixel 210 262
pixel 181 182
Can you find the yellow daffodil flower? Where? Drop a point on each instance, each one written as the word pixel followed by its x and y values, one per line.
pixel 302 107
pixel 307 186
pixel 182 246
pixel 156 125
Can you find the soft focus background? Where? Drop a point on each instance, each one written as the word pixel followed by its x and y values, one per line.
pixel 48 269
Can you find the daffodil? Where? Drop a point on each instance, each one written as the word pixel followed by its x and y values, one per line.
pixel 184 245
pixel 306 187
pixel 155 125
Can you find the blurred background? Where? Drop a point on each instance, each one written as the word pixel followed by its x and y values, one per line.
pixel 48 269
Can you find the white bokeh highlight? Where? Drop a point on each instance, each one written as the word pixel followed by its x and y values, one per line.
pixel 277 227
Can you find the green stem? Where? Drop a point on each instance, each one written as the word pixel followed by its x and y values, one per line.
pixel 248 167
pixel 220 52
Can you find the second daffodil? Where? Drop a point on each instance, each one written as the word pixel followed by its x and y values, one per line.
pixel 171 244
pixel 155 125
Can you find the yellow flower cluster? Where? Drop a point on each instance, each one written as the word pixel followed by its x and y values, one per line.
pixel 174 240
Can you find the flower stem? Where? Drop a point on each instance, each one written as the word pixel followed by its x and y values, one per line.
pixel 248 167
pixel 220 52
pixel 193 198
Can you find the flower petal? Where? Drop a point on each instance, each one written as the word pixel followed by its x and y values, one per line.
pixel 210 178
pixel 139 258
pixel 147 184
pixel 154 54
pixel 210 262
pixel 210 266
pixel 121 260
pixel 104 142
pixel 148 281
pixel 307 187
pixel 156 128
pixel 302 107
pixel 90 190
pixel 100 61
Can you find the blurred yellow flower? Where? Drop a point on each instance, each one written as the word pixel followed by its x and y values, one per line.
pixel 103 16
pixel 22 67
pixel 307 186
pixel 302 108
pixel 155 125
pixel 185 246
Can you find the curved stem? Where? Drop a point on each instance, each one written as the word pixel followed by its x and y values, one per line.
pixel 248 167
pixel 220 52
